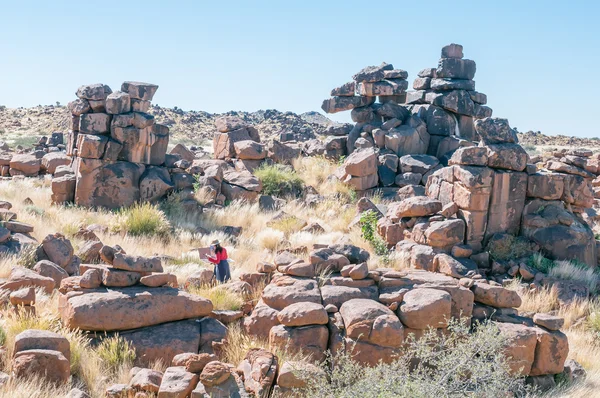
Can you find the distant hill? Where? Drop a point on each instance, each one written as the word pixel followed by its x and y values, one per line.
pixel 24 125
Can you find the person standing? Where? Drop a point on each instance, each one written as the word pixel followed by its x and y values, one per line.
pixel 219 259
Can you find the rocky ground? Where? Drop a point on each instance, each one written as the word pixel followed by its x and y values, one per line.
pixel 24 125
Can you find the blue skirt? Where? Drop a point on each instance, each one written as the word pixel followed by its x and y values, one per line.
pixel 222 271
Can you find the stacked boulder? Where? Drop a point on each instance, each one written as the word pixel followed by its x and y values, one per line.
pixel 44 354
pixel 14 235
pixel 430 123
pixel 371 313
pixel 446 99
pixel 117 150
pixel 132 295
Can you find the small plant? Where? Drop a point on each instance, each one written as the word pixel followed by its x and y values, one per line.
pixel 368 225
pixel 288 225
pixel 540 263
pixel 279 180
pixel 115 353
pixel 142 219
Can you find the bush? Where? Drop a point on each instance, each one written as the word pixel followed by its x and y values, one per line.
pixel 368 224
pixel 458 364
pixel 279 180
pixel 142 219
pixel 115 353
pixel 509 247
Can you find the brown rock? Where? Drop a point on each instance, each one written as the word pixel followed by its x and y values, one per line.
pixel 23 277
pixel 157 280
pixel 91 279
pixel 520 346
pixel 496 296
pixel 302 314
pixel 550 352
pixel 25 296
pixel 49 269
pixel 147 380
pixel 548 321
pixel 136 263
pixel 214 373
pixel 177 383
pixel 259 369
pixel 372 322
pixel 47 364
pixel 122 309
pixel 308 340
pixel 423 308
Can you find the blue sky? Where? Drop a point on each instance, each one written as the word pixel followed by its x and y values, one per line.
pixel 536 60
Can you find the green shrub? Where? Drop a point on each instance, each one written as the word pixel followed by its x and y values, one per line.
pixel 142 219
pixel 368 225
pixel 115 353
pixel 540 263
pixel 458 364
pixel 279 180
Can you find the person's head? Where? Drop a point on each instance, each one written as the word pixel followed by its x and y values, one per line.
pixel 216 246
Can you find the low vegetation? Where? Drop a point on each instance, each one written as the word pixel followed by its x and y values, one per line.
pixel 456 364
pixel 143 219
pixel 279 180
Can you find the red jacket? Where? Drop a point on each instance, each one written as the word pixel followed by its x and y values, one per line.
pixel 218 257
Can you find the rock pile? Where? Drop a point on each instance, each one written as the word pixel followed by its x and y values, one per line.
pixel 43 354
pixel 412 132
pixel 14 235
pixel 370 313
pixel 43 158
pixel 117 150
pixel 446 99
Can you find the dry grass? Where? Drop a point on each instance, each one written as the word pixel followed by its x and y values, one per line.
pixel 571 271
pixel 221 298
pixel 239 343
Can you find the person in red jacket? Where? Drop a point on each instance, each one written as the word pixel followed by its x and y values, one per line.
pixel 219 259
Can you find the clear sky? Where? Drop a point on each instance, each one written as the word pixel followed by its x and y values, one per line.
pixel 536 60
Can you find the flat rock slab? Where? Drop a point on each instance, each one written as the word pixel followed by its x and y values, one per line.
pixel 130 308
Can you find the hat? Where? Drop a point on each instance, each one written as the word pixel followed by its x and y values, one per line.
pixel 215 242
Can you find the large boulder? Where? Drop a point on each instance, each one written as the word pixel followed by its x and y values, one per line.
pixel 52 160
pixel 425 308
pixel 25 164
pixel 309 340
pixel 286 290
pixel 122 309
pixel 163 342
pixel 559 233
pixel 47 364
pixel 107 184
pixel 520 346
pixel 369 321
pixel 302 314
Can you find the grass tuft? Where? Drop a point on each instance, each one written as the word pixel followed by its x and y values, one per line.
pixel 142 219
pixel 279 180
